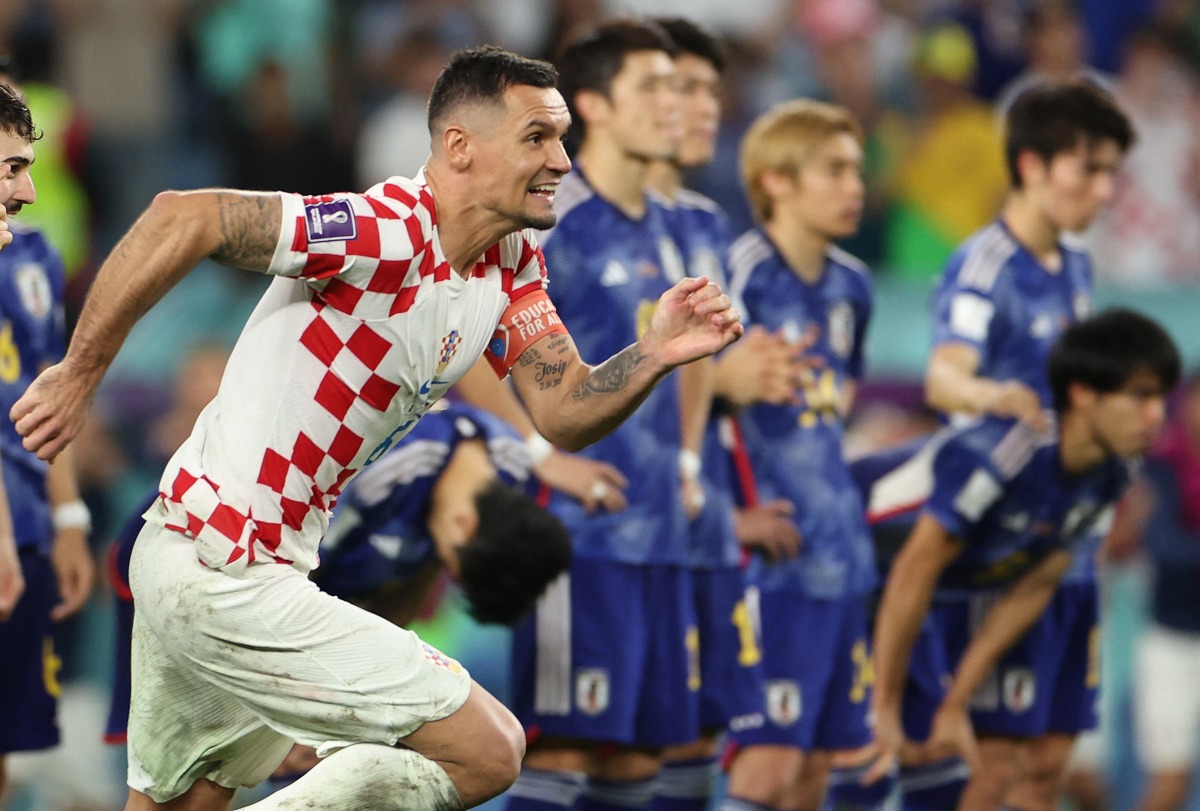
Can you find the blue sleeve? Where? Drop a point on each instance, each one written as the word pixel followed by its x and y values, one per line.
pixel 963 313
pixel 965 487
pixel 1167 540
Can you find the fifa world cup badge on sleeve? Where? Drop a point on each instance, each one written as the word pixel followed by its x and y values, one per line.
pixel 330 222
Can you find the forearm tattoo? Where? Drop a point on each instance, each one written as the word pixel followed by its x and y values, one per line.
pixel 249 229
pixel 612 376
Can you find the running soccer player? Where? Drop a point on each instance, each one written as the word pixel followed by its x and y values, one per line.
pixel 607 665
pixel 1002 504
pixel 48 575
pixel 385 299
pixel 1004 298
pixel 801 166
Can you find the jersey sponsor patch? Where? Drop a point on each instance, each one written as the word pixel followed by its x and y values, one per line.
pixel 524 323
pixel 591 691
pixel 783 702
pixel 330 222
pixel 34 288
pixel 970 316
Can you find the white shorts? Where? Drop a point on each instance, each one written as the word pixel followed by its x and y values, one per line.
pixel 228 671
pixel 1167 699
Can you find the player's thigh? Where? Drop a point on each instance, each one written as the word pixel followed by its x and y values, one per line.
pixel 314 668
pixel 30 662
pixel 1167 699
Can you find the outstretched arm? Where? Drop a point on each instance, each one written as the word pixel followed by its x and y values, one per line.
pixel 179 229
pixel 953 385
pixel 573 404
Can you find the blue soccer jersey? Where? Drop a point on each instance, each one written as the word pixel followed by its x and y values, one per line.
pixel 998 486
pixel 607 272
pixel 378 533
pixel 702 232
pixel 796 450
pixel 996 297
pixel 32 334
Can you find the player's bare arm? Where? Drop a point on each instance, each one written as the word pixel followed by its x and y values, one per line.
pixel 573 404
pixel 168 240
pixel 906 600
pixel 953 386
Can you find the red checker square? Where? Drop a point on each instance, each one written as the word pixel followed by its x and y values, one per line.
pixel 346 445
pixel 269 534
pixel 299 237
pixel 323 265
pixel 367 241
pixel 396 193
pixel 227 521
pixel 368 346
pixel 307 456
pixel 389 276
pixel 320 339
pixel 416 233
pixel 334 395
pixel 342 478
pixel 341 296
pixel 404 300
pixel 273 472
pixel 183 482
pixel 378 392
pixel 382 210
pixel 194 525
pixel 237 552
pixel 293 512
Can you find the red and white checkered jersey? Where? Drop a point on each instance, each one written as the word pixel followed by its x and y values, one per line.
pixel 337 362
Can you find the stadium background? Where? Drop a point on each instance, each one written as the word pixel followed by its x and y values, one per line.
pixel 324 95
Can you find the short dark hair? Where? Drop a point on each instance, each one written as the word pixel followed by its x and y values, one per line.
pixel 594 59
pixel 1102 352
pixel 484 74
pixel 690 38
pixel 14 115
pixel 1053 117
pixel 517 551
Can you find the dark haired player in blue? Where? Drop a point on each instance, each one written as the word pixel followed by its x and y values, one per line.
pixel 48 521
pixel 1004 298
pixel 729 651
pixel 801 166
pixel 1002 504
pixel 445 498
pixel 605 674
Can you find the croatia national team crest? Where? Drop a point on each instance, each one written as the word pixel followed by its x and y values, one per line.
pixel 591 691
pixel 440 659
pixel 450 344
pixel 34 289
pixel 841 328
pixel 1019 692
pixel 783 702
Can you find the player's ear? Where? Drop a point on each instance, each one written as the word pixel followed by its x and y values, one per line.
pixel 777 183
pixel 456 145
pixel 1081 396
pixel 1031 168
pixel 591 105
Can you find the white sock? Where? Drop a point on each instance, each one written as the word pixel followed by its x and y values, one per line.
pixel 369 777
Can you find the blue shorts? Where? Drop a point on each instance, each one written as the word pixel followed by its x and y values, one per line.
pixel 816 674
pixel 1049 680
pixel 118 708
pixel 730 654
pixel 29 662
pixel 611 654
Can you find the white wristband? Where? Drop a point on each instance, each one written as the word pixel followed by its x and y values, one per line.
pixel 72 515
pixel 538 448
pixel 689 463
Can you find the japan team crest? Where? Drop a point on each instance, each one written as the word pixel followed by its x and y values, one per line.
pixel 450 344
pixel 591 691
pixel 783 702
pixel 34 289
pixel 1019 692
pixel 841 328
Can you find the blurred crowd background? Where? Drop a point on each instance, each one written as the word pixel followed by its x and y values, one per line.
pixel 136 96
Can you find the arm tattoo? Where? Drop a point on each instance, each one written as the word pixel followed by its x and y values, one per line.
pixel 249 229
pixel 612 376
